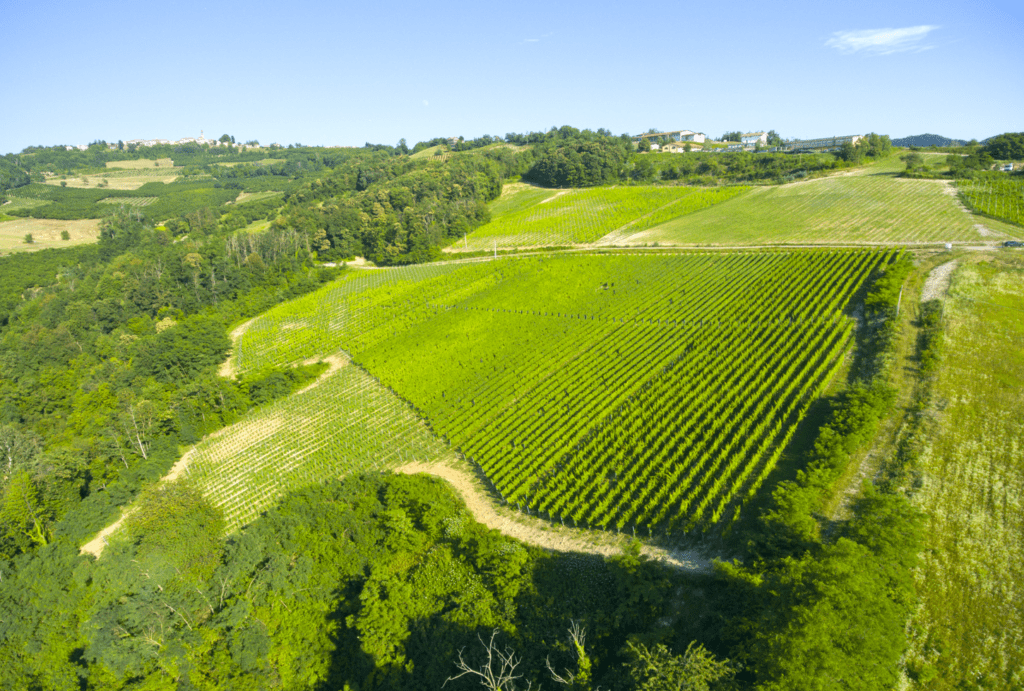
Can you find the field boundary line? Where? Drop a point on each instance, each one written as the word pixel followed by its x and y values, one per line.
pixel 541 533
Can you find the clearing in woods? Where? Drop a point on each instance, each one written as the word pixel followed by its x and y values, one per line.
pixel 120 175
pixel 45 233
pixel 142 163
pixel 868 205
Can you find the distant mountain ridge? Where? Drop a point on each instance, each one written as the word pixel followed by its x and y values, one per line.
pixel 928 140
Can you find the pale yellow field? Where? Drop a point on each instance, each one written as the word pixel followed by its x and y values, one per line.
pixel 45 233
pixel 261 162
pixel 142 163
pixel 244 197
pixel 117 179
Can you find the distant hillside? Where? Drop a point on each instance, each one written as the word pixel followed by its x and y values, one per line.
pixel 927 140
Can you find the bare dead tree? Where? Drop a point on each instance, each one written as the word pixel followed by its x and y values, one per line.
pixel 578 638
pixel 498 672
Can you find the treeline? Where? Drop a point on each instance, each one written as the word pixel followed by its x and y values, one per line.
pixel 1007 146
pixel 376 582
pixel 968 162
pixel 11 173
pixel 393 210
pixel 110 362
pixel 820 604
pixel 708 168
pixel 171 200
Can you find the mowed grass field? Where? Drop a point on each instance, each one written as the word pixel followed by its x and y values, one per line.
pixel 118 179
pixel 526 216
pixel 45 233
pixel 429 152
pixel 245 197
pixel 869 205
pixel 142 164
pixel 968 631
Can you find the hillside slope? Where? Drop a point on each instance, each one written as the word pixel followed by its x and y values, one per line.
pixel 867 206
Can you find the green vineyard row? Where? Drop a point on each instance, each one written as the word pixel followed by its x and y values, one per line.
pixel 615 391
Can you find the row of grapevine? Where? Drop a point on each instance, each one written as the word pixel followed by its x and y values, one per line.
pixel 520 390
pixel 859 208
pixel 612 390
pixel 586 215
pixel 1001 196
pixel 346 424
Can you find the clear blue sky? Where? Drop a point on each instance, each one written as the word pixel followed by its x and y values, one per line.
pixel 328 73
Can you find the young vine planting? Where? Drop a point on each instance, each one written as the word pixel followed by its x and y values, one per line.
pixel 345 424
pixel 997 195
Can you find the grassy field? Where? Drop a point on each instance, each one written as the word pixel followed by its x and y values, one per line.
pixel 534 217
pixel 261 162
pixel 865 206
pixel 429 152
pixel 45 233
pixel 117 179
pixel 245 197
pixel 142 163
pixel 968 631
pixel 18 203
pixel 346 423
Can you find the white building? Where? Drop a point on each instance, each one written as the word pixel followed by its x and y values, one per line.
pixel 674 135
pixel 823 143
pixel 754 139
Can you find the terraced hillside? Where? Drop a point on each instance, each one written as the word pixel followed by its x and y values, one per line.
pixel 615 391
pixel 866 206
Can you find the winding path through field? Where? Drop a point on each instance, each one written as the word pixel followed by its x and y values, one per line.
pixel 543 534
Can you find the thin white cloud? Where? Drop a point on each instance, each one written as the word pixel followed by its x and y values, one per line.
pixel 426 102
pixel 881 41
pixel 531 40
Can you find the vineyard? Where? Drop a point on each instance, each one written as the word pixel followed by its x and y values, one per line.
pixel 868 206
pixel 531 217
pixel 999 195
pixel 128 201
pixel 346 424
pixel 614 391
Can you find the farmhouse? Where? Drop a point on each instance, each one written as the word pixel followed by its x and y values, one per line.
pixel 754 139
pixel 674 135
pixel 823 144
